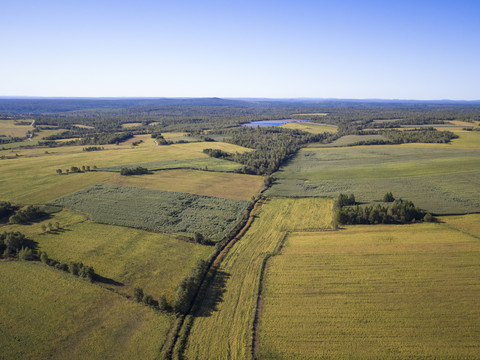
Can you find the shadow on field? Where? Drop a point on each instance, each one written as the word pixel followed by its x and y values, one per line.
pixel 105 280
pixel 214 294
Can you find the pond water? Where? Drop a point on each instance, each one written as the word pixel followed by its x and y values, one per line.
pixel 272 122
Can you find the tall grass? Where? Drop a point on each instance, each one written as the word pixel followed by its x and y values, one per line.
pixel 156 210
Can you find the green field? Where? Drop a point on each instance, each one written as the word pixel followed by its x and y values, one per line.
pixel 225 332
pixel 209 163
pixel 156 210
pixel 441 180
pixel 49 314
pixel 127 256
pixel 349 140
pixel 31 176
pixel 374 292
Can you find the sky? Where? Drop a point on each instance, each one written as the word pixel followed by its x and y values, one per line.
pixel 425 50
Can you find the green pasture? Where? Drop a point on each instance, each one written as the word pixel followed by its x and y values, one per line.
pixel 130 257
pixel 157 210
pixel 374 292
pixel 48 314
pixel 439 179
pixel 211 164
pixel 222 326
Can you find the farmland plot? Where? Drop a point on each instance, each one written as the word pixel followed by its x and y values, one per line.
pixel 374 292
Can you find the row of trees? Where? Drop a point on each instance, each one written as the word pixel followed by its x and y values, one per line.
pixel 76 169
pixel 93 148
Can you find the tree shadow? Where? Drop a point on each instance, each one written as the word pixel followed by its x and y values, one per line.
pixel 108 281
pixel 213 295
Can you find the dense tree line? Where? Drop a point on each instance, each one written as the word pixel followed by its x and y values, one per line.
pixel 419 136
pixel 188 287
pixel 272 146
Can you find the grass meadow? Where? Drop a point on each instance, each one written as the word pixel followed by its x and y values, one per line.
pixel 156 210
pixel 10 129
pixel 442 180
pixel 31 177
pixel 222 326
pixel 131 257
pixel 375 292
pixel 49 314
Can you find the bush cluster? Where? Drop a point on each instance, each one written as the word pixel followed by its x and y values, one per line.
pixel 136 171
pixel 30 213
pixel 400 212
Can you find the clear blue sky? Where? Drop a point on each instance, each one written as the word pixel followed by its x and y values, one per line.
pixel 326 49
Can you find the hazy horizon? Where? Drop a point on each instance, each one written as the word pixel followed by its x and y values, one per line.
pixel 408 50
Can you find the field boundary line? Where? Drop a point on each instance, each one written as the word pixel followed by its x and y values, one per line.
pixel 177 339
pixel 259 302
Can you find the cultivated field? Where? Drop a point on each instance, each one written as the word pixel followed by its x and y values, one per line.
pixel 156 210
pixel 10 129
pixel 31 176
pixel 222 327
pixel 129 257
pixel 225 185
pixel 375 292
pixel 310 127
pixel 210 164
pixel 49 314
pixel 442 180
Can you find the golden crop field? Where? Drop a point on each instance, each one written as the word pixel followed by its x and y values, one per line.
pixel 132 257
pixel 374 292
pixel 310 127
pixel 226 185
pixel 48 314
pixel 31 177
pixel 221 329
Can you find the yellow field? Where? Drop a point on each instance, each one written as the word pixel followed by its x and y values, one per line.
pixel 466 223
pixel 374 292
pixel 226 185
pixel 221 329
pixel 31 177
pixel 310 127
pixel 131 125
pixel 84 126
pixel 466 140
pixel 8 128
pixel 312 114
pixel 171 135
pixel 463 123
pixel 49 314
pixel 136 258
